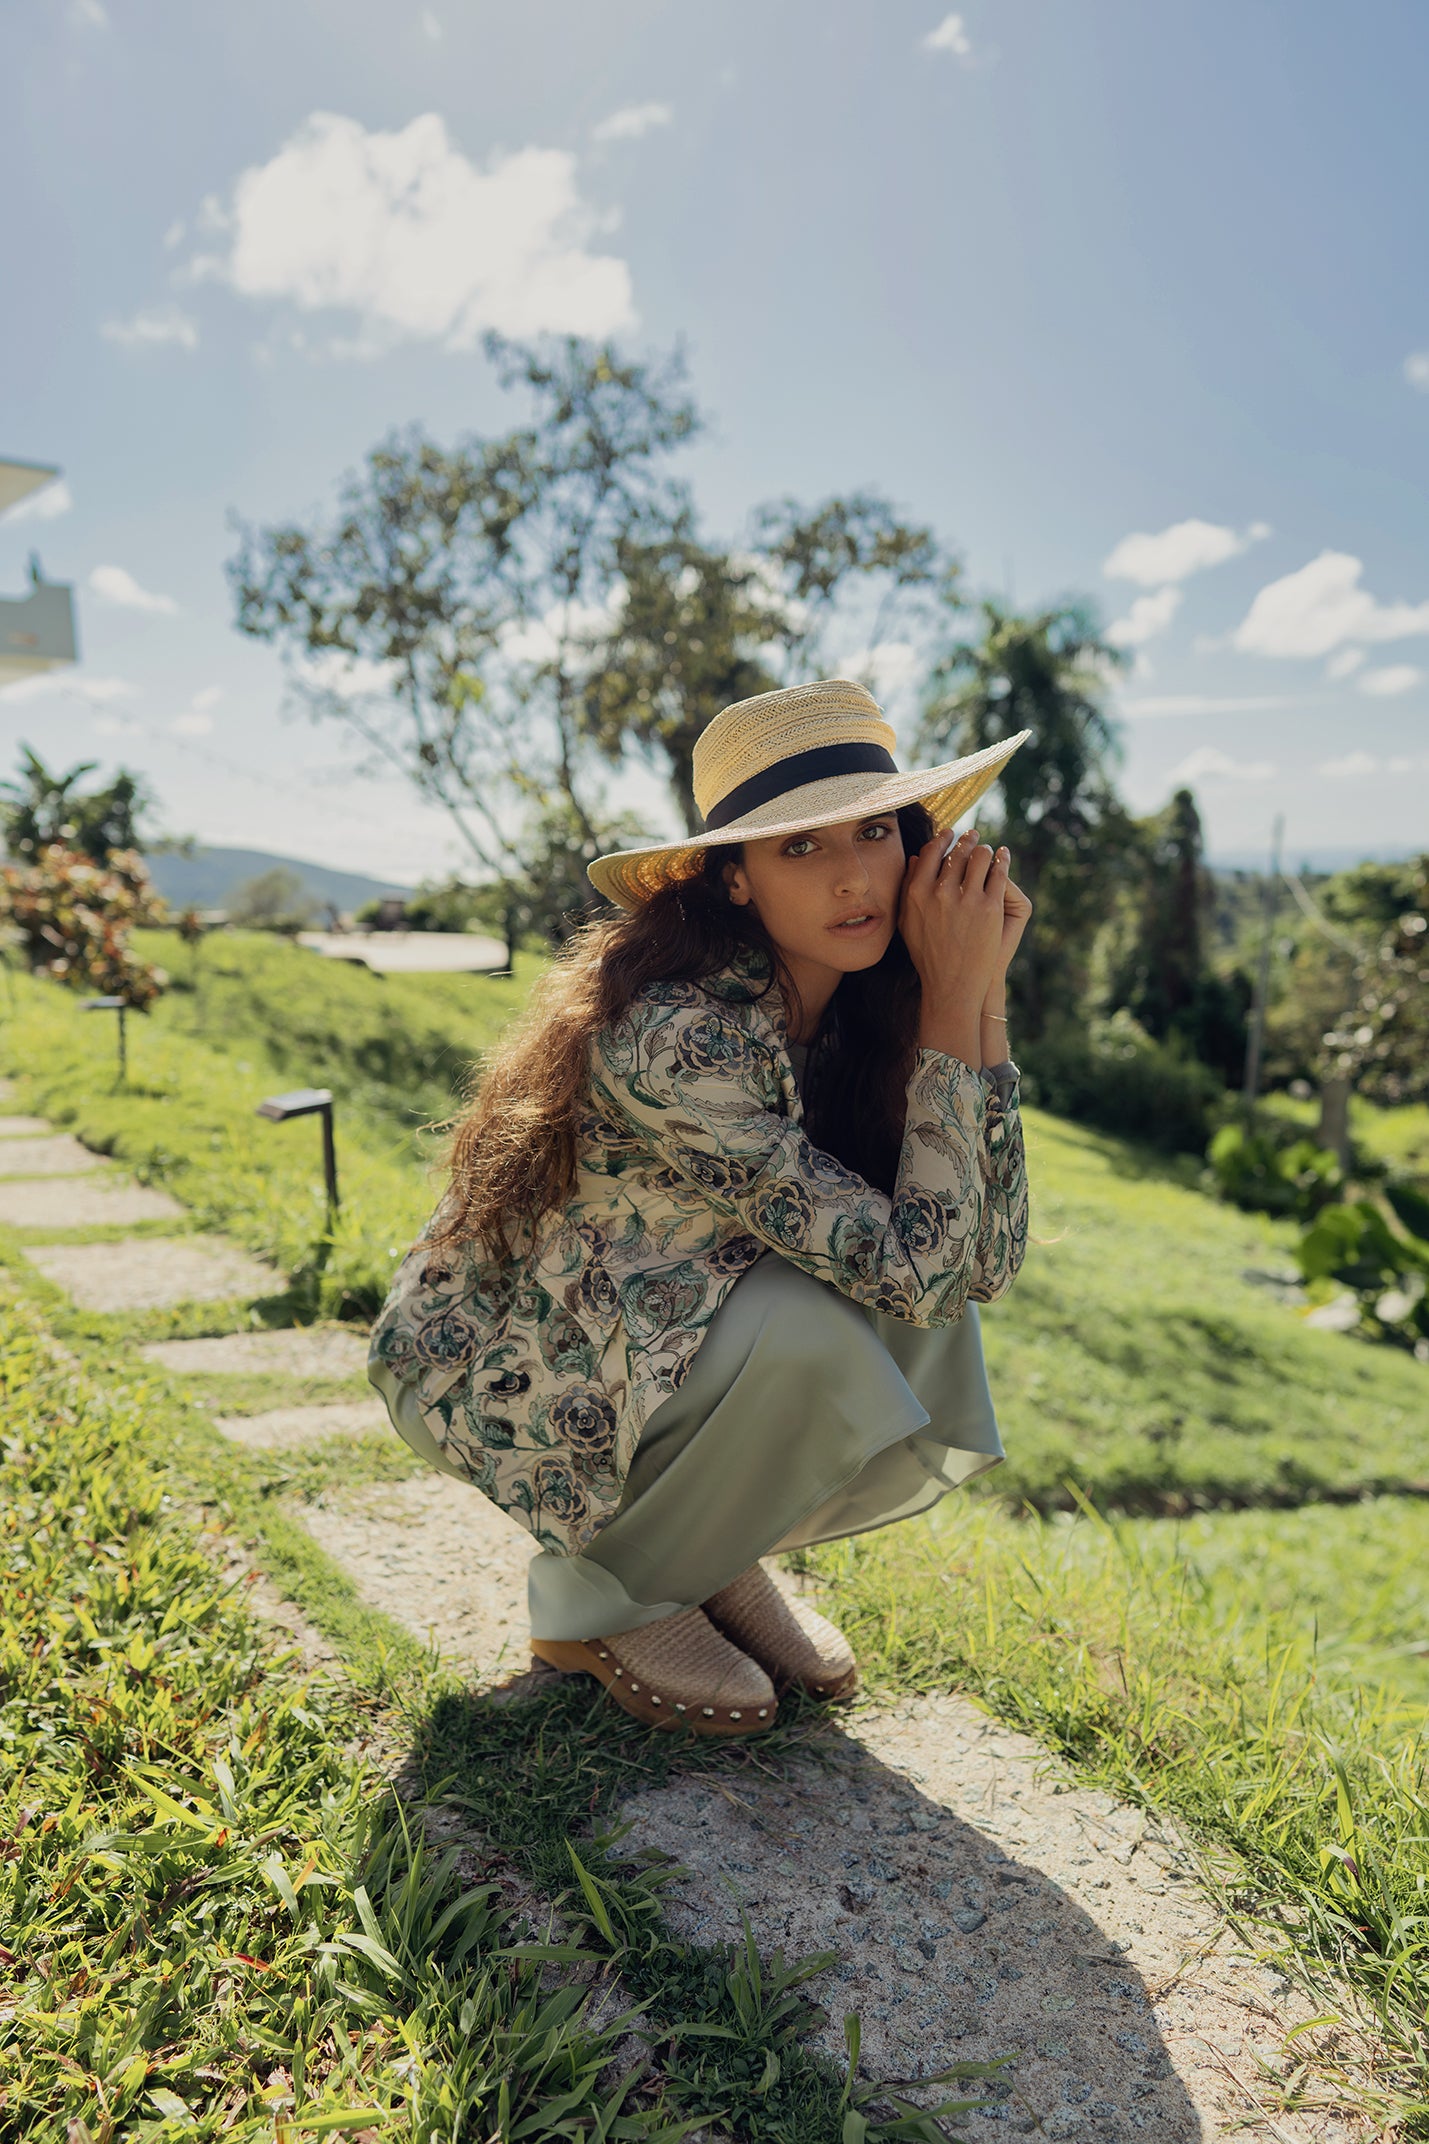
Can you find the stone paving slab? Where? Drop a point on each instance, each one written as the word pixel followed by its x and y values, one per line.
pixel 83 1202
pixel 981 1903
pixel 152 1272
pixel 304 1351
pixel 979 1900
pixel 18 1127
pixel 288 1428
pixel 58 1155
pixel 439 1558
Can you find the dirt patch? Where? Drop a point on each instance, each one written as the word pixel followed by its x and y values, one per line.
pixel 982 1904
pixel 18 1127
pixel 439 1558
pixel 307 1351
pixel 59 1155
pixel 285 1428
pixel 149 1273
pixel 92 1202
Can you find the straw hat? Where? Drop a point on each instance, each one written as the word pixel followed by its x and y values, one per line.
pixel 809 755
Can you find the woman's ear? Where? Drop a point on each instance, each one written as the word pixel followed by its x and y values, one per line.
pixel 737 885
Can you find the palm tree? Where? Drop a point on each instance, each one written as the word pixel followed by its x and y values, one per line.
pixel 1047 672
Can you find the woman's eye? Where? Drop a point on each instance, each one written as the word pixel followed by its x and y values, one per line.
pixel 802 847
pixel 876 833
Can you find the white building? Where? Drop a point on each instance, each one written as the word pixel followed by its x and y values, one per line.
pixel 36 629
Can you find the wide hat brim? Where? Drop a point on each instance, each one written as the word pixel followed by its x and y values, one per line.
pixel 629 877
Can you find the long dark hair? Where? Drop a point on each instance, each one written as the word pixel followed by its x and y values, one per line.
pixel 513 1155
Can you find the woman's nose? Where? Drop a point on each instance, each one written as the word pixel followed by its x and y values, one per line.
pixel 852 873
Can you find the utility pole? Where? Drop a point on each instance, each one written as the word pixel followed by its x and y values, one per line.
pixel 1255 1041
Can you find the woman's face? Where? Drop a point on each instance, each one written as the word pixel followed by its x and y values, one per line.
pixel 828 898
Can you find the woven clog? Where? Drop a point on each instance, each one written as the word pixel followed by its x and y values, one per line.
pixel 678 1672
pixel 796 1645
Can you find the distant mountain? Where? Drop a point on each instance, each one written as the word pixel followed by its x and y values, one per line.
pixel 210 877
pixel 1313 857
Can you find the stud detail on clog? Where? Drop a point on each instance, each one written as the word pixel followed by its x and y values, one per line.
pixel 707 1711
pixel 653 1698
pixel 635 1686
pixel 736 1715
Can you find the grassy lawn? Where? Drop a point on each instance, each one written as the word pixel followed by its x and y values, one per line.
pixel 1260 1671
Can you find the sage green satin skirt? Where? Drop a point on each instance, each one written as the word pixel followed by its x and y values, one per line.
pixel 803 1418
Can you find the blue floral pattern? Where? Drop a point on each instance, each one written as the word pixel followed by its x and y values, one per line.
pixel 538 1379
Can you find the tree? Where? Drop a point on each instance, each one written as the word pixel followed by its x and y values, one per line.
pixel 275 900
pixel 74 916
pixel 700 625
pixel 1069 835
pixel 1161 970
pixel 445 616
pixel 44 807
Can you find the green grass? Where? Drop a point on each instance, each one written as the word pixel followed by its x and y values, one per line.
pixel 1185 1676
pixel 1135 1358
pixel 217 1919
pixel 1258 1671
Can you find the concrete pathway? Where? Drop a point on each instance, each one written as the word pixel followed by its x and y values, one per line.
pixel 410 952
pixel 153 1272
pixel 979 1901
pixel 57 1155
pixel 83 1202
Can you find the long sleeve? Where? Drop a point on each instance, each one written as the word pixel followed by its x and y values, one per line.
pixel 1002 1243
pixel 702 1093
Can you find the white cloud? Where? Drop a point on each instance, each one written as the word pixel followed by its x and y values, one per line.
pixel 115 584
pixel 1148 616
pixel 950 36
pixel 46 505
pixel 404 231
pixel 631 121
pixel 1185 548
pixel 116 726
pixel 150 330
pixel 71 685
pixel 197 718
pixel 1311 611
pixel 1352 764
pixel 1207 764
pixel 885 668
pixel 1388 683
pixel 539 640
pixel 1200 703
pixel 1345 663
pixel 93 13
pixel 349 677
pixel 1416 370
pixel 431 26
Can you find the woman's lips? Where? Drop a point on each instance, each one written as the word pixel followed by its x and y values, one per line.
pixel 862 926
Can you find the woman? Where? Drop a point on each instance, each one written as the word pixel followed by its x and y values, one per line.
pixel 701 1286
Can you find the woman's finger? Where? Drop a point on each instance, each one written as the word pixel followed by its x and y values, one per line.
pixel 975 870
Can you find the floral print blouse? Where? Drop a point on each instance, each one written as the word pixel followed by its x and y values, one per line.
pixel 538 1377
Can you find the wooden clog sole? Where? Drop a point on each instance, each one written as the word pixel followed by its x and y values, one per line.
pixel 582 1657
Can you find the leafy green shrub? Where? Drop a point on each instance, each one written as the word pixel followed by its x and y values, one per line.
pixel 74 918
pixel 1113 1075
pixel 1389 1273
pixel 1259 1168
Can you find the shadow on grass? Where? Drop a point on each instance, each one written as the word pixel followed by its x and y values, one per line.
pixel 858 1891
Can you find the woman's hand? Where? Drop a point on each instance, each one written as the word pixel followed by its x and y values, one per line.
pixel 952 917
pixel 1016 915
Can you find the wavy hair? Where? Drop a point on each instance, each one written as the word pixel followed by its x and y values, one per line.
pixel 513 1154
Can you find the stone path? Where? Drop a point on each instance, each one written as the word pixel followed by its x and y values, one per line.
pixel 57 1155
pixel 83 1202
pixel 153 1272
pixel 979 1901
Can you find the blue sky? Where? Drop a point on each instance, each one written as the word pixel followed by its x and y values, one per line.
pixel 1125 299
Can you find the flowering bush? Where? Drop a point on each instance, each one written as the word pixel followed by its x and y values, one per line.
pixel 74 918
